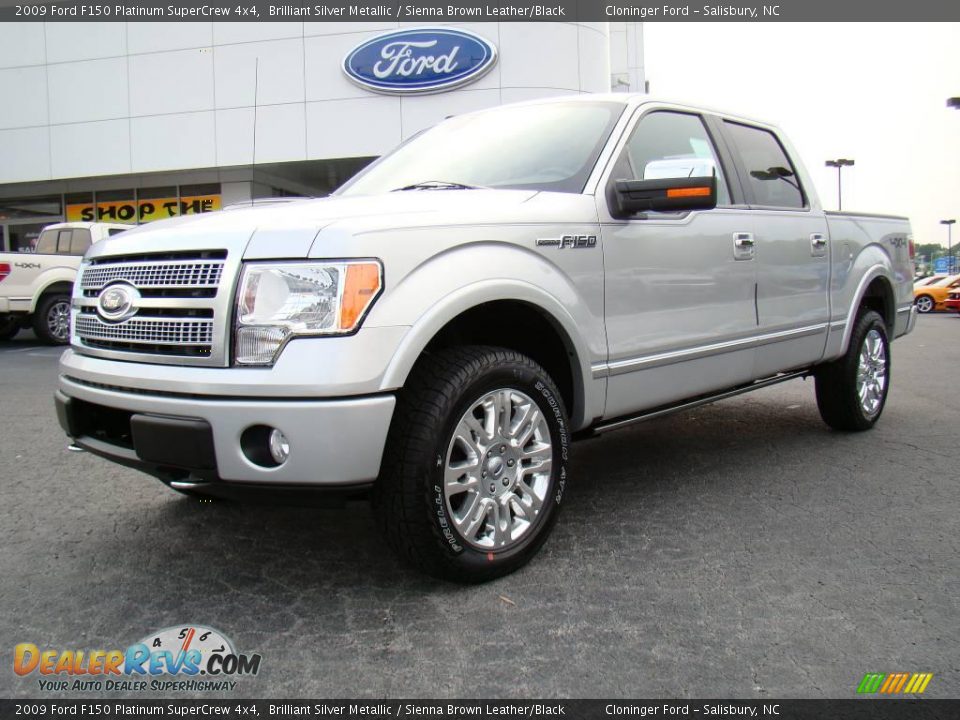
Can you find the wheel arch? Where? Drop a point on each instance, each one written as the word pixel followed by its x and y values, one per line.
pixel 875 292
pixel 64 287
pixel 541 329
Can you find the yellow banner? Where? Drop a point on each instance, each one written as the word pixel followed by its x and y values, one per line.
pixel 134 211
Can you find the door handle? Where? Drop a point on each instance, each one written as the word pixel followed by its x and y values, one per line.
pixel 818 244
pixel 743 246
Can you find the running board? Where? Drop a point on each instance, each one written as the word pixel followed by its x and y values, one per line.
pixel 663 410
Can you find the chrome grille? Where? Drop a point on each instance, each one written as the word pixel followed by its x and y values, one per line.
pixel 180 312
pixel 197 274
pixel 154 331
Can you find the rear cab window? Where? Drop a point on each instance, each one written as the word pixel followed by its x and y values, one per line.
pixel 79 241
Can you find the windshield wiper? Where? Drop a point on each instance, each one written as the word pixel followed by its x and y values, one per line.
pixel 436 185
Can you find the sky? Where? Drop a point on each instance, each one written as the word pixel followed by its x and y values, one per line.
pixel 874 92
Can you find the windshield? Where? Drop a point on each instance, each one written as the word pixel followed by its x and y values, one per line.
pixel 550 146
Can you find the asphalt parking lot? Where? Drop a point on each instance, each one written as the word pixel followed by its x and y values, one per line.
pixel 739 550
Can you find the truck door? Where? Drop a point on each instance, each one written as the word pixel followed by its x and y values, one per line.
pixel 679 290
pixel 792 253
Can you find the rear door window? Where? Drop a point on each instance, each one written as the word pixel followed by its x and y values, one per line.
pixel 63 242
pixel 47 243
pixel 771 177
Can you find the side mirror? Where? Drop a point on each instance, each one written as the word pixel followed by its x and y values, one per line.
pixel 664 194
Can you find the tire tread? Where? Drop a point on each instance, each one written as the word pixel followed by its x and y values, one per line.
pixel 401 504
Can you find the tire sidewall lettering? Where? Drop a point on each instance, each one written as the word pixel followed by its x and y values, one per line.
pixel 527 381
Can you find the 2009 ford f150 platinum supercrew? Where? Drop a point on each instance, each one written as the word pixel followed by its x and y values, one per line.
pixel 441 326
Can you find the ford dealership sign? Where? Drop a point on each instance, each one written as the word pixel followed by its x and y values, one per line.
pixel 419 60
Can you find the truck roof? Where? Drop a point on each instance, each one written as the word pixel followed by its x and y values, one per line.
pixel 636 99
pixel 88 225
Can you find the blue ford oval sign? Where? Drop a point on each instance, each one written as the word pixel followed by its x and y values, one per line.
pixel 419 60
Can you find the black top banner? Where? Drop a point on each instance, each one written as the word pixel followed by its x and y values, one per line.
pixel 426 11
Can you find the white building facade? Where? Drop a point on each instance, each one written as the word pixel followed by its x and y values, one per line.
pixel 137 121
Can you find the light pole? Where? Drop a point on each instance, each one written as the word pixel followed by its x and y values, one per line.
pixel 949 224
pixel 839 164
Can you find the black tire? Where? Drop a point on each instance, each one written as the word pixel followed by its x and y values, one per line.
pixel 837 395
pixel 921 302
pixel 408 497
pixel 43 320
pixel 9 327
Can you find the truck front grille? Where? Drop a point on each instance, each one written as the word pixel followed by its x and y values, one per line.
pixel 179 312
pixel 197 274
pixel 154 331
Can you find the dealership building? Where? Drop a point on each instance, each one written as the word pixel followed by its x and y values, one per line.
pixel 134 122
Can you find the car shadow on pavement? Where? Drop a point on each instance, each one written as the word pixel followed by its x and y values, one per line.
pixel 619 479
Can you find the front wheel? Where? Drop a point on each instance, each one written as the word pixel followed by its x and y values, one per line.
pixel 475 466
pixel 51 321
pixel 924 304
pixel 852 390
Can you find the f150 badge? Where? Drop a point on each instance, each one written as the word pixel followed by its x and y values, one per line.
pixel 569 241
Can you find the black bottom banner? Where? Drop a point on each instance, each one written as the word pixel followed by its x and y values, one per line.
pixel 859 709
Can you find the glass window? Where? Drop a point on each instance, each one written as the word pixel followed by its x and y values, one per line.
pixel 47 243
pixel 117 206
pixel 80 207
pixel 63 242
pixel 671 145
pixel 80 241
pixel 546 146
pixel 770 174
pixel 201 198
pixel 157 203
pixel 200 189
pixel 24 236
pixel 13 208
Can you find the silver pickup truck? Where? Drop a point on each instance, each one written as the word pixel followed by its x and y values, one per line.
pixel 440 329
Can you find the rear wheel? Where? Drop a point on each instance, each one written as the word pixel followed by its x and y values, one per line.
pixel 475 465
pixel 9 327
pixel 51 321
pixel 924 304
pixel 852 390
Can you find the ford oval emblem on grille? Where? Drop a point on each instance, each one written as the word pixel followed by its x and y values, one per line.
pixel 419 60
pixel 117 302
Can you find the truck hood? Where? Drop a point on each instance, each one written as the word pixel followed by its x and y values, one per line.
pixel 289 229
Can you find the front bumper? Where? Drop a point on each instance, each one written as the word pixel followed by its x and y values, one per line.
pixel 333 442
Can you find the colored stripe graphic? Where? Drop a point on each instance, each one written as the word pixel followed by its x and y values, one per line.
pixel 870 683
pixel 894 683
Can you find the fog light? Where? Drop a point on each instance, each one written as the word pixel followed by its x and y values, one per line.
pixel 279 447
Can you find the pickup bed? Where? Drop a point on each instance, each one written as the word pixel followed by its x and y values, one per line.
pixel 440 329
pixel 35 287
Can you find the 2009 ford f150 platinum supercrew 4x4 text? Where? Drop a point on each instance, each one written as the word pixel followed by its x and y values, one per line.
pixel 440 327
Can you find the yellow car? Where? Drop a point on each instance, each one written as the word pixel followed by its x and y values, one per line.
pixel 928 298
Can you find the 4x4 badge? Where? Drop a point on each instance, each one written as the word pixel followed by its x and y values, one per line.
pixel 570 241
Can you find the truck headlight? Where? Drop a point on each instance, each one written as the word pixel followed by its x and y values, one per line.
pixel 277 301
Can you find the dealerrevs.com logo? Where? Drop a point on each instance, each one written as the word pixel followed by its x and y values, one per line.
pixel 186 658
